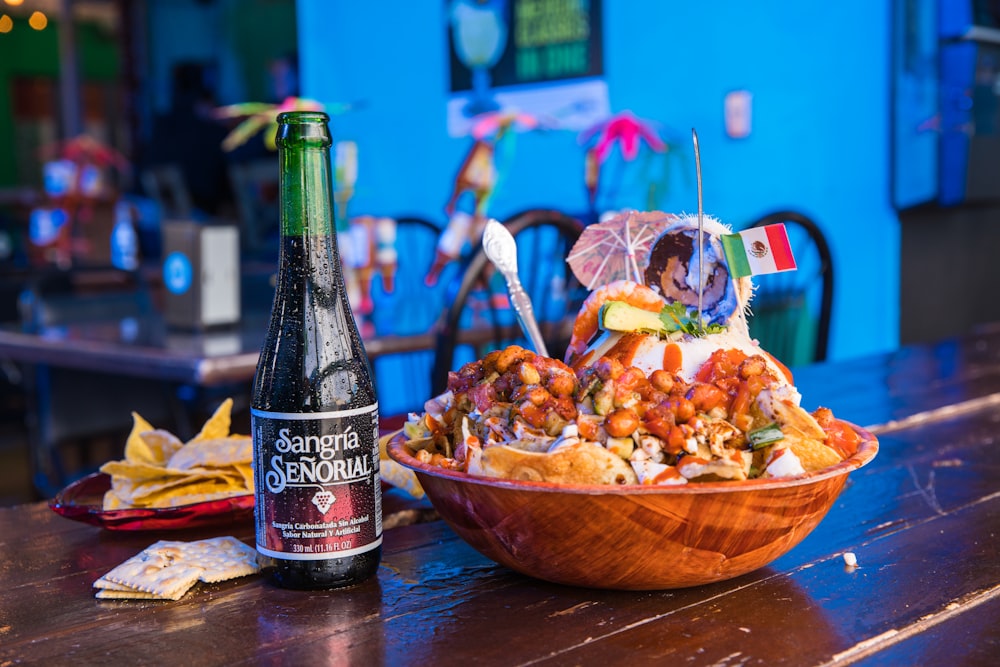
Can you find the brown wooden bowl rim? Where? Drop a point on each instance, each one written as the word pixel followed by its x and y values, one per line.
pixel 867 450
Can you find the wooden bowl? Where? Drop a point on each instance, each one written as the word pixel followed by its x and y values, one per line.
pixel 633 537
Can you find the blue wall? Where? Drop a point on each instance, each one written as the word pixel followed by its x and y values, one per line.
pixel 818 72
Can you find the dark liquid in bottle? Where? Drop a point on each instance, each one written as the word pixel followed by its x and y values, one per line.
pixel 321 574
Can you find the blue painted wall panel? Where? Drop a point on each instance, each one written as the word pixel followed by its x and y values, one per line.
pixel 818 72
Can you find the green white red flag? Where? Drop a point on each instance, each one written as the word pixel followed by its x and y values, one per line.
pixel 758 250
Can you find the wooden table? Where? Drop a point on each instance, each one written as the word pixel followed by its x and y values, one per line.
pixel 923 520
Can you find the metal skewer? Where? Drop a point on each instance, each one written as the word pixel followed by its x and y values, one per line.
pixel 701 233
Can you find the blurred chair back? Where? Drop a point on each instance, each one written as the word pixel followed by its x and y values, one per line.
pixel 70 410
pixel 255 189
pixel 480 303
pixel 791 310
pixel 409 308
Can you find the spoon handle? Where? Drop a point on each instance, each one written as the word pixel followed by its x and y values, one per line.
pixel 501 249
pixel 525 313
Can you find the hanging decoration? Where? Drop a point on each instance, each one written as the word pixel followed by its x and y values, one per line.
pixel 493 135
pixel 630 134
pixel 261 116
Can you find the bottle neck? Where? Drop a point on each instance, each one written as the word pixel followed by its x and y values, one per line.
pixel 306 186
pixel 305 177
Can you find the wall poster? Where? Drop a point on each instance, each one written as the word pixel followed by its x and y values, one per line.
pixel 540 57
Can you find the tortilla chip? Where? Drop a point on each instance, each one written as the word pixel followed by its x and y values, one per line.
pixel 136 490
pixel 192 498
pixel 218 424
pixel 246 472
pixel 161 471
pixel 812 453
pixel 152 495
pixel 136 448
pixel 394 473
pixel 134 470
pixel 580 463
pixel 112 501
pixel 162 444
pixel 790 415
pixel 217 452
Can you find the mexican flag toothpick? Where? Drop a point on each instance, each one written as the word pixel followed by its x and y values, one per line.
pixel 758 250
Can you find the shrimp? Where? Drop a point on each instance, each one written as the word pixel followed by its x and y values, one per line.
pixel 588 319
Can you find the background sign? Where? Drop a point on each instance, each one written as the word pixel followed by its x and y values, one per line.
pixel 543 57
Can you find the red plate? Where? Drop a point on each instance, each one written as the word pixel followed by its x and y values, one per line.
pixel 82 501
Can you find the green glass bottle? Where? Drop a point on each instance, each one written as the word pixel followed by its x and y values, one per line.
pixel 314 413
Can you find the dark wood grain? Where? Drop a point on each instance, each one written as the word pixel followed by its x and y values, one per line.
pixel 923 519
pixel 952 637
pixel 878 389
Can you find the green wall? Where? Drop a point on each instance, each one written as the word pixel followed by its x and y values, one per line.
pixel 34 53
pixel 260 31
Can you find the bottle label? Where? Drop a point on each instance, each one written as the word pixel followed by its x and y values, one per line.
pixel 318 493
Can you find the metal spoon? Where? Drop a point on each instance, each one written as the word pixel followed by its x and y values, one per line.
pixel 501 249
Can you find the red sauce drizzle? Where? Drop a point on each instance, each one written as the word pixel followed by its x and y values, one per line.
pixel 624 350
pixel 667 475
pixel 673 357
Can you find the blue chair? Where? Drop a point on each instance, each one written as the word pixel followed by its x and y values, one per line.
pixel 403 380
